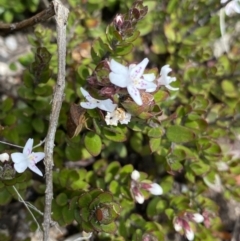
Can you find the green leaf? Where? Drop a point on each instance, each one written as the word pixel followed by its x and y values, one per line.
pixel 7 104
pixel 10 120
pixel 38 125
pixel 43 90
pixel 155 132
pixel 112 171
pixel 133 37
pixel 84 200
pixel 117 134
pixel 109 228
pixel 123 49
pixel 67 215
pixel 105 197
pixel 179 134
pixel 86 226
pixel 160 96
pixel 5 196
pixel 155 144
pixel 93 143
pixel 83 72
pixel 79 185
pixel 62 199
pixel 114 187
pixel 199 168
pixel 26 93
pixel 85 214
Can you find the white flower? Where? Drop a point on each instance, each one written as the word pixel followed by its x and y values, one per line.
pixel 111 119
pixel 136 187
pixel 4 157
pixel 131 78
pixel 232 7
pixel 92 103
pixel 150 78
pixel 165 79
pixel 27 159
pixel 120 115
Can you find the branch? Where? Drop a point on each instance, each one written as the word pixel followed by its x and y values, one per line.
pixel 61 19
pixel 40 17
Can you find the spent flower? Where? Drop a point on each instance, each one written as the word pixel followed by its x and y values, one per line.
pixel 131 78
pixel 106 105
pixel 118 115
pixel 27 158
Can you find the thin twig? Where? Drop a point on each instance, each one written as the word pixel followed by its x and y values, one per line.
pixel 40 17
pixel 61 19
pixel 26 205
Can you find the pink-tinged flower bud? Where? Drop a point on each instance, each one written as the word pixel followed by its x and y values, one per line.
pixel 189 234
pixel 198 218
pixel 208 215
pixel 177 224
pixel 153 188
pixel 137 195
pixel 182 224
pixel 195 217
pixel 118 20
pixel 187 230
pixel 4 157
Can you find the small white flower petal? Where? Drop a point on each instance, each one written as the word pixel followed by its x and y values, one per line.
pixel 137 71
pixel 149 77
pixel 155 189
pixel 38 156
pixel 88 105
pixel 144 84
pixel 118 68
pixel 189 234
pixel 118 80
pixel 92 103
pixel 110 119
pixel 28 147
pixel 86 94
pixel 18 157
pixel 198 218
pixel 171 88
pixel 134 93
pixel 106 105
pixel 135 175
pixel 20 167
pixel 35 169
pixel 127 119
pixel 4 157
pixel 232 7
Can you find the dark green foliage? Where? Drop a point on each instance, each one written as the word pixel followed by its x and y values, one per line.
pixel 175 139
